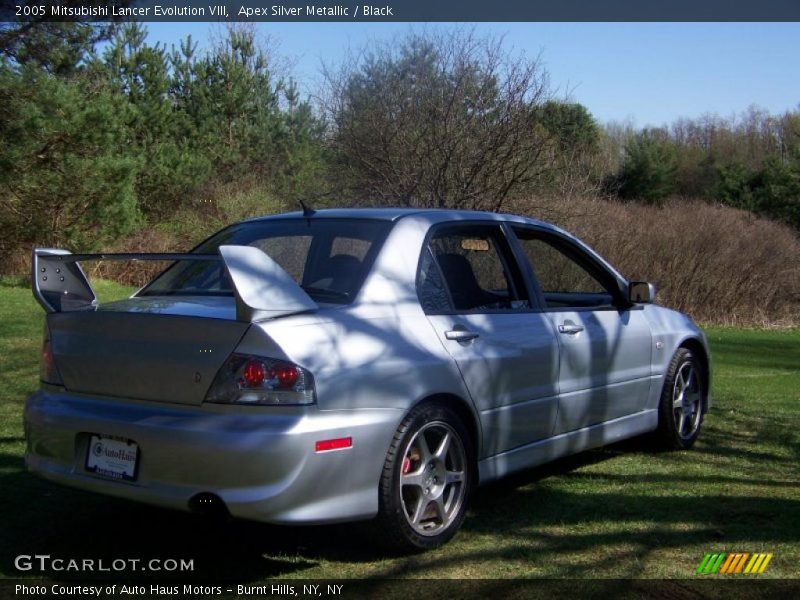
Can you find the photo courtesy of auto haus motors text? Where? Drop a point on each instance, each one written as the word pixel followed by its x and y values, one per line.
pixel 107 591
pixel 392 299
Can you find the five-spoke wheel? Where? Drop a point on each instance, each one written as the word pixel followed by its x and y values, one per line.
pixel 427 478
pixel 687 400
pixel 432 479
pixel 682 401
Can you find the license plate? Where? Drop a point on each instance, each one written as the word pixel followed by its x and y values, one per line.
pixel 112 457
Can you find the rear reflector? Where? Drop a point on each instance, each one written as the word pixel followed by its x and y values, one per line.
pixel 337 444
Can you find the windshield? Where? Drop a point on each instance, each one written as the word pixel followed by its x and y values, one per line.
pixel 328 258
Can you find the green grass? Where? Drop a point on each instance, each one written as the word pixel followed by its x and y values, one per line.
pixel 623 511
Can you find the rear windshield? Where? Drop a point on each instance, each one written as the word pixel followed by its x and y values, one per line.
pixel 328 258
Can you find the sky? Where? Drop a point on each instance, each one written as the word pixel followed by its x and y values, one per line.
pixel 647 74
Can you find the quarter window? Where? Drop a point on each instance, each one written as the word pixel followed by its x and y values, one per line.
pixel 430 286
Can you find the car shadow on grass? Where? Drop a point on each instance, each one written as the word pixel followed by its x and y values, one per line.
pixel 39 517
pixel 516 512
pixel 43 518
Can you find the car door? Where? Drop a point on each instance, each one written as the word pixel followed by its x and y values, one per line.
pixel 605 343
pixel 474 296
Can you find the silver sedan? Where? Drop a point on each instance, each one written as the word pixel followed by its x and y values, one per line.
pixel 341 365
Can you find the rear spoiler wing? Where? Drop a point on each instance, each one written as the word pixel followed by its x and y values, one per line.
pixel 263 290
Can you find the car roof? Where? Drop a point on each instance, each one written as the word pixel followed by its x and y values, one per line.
pixel 435 216
pixel 394 214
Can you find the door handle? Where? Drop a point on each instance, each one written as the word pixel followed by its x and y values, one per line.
pixel 570 328
pixel 460 335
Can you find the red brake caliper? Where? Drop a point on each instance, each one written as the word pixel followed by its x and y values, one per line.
pixel 406 465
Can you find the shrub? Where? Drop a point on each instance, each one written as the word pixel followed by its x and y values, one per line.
pixel 719 264
pixel 204 215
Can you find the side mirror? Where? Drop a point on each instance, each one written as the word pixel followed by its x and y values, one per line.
pixel 641 292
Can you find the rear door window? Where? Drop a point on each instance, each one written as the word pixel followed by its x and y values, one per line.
pixel 470 269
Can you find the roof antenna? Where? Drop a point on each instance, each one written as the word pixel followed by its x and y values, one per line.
pixel 307 210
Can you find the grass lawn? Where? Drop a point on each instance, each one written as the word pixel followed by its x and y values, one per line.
pixel 622 511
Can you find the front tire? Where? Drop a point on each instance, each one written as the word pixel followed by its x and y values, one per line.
pixel 427 479
pixel 683 402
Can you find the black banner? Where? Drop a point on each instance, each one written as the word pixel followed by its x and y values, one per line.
pixel 401 10
pixel 700 588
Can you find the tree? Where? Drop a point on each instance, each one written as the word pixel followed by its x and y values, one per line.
pixel 776 190
pixel 172 168
pixel 67 177
pixel 250 123
pixel 735 184
pixel 445 119
pixel 574 151
pixel 91 148
pixel 572 126
pixel 648 171
pixel 59 48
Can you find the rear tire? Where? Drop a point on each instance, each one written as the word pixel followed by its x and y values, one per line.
pixel 427 479
pixel 683 402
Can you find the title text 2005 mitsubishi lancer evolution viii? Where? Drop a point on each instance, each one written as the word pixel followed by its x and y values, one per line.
pixel 342 365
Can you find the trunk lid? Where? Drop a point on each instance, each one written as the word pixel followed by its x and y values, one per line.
pixel 148 348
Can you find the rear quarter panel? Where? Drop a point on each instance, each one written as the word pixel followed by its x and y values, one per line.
pixel 379 352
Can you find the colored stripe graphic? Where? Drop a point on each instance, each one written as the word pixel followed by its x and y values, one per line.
pixel 703 563
pixel 765 563
pixel 754 562
pixel 727 564
pixel 740 564
pixel 733 563
pixel 714 563
pixel 730 564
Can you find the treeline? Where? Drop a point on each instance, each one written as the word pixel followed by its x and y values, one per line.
pixel 751 161
pixel 103 135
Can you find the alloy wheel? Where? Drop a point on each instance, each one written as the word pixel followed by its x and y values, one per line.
pixel 433 478
pixel 687 400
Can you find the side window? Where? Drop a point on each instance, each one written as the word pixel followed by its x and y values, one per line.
pixel 475 269
pixel 564 281
pixel 432 293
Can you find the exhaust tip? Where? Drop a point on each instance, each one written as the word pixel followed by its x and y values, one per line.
pixel 208 504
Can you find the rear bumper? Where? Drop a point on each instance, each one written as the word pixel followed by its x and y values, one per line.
pixel 260 461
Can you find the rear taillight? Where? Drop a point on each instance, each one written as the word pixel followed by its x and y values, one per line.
pixel 245 379
pixel 48 372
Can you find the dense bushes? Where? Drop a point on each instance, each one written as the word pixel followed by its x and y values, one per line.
pixel 719 264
